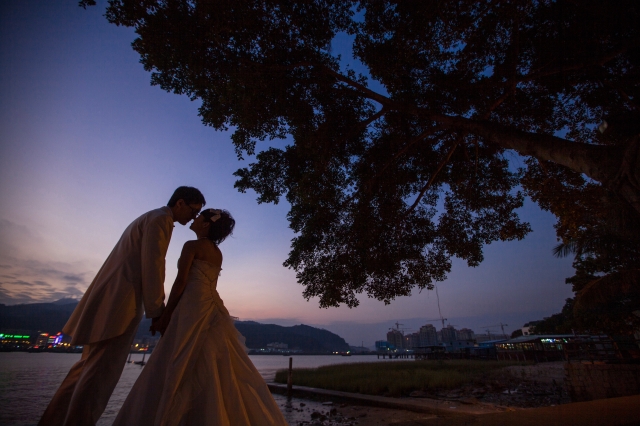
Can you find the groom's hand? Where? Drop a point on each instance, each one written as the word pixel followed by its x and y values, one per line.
pixel 154 326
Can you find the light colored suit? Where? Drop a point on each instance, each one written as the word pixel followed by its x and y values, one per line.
pixel 132 278
pixel 105 321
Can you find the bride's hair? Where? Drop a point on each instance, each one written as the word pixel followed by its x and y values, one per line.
pixel 222 227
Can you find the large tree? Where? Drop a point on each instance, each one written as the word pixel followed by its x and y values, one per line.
pixel 403 161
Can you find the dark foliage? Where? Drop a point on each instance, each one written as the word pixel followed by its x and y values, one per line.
pixel 385 187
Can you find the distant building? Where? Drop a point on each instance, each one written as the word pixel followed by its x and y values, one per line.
pixel 42 340
pixel 459 345
pixel 488 337
pixel 466 334
pixel 428 335
pixel 277 346
pixel 449 334
pixel 533 348
pixel 395 338
pixel 15 339
pixel 383 346
pixel 530 328
pixel 411 341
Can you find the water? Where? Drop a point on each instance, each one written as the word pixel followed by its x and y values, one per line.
pixel 29 380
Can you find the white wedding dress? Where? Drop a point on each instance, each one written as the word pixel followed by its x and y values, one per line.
pixel 199 373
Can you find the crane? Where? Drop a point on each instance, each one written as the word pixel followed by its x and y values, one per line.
pixel 501 325
pixel 437 319
pixel 439 311
pixel 401 330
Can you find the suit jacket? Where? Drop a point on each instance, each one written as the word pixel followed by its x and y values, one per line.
pixel 132 278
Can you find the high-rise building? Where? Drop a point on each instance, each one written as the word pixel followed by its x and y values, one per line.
pixel 428 335
pixel 448 334
pixel 411 340
pixel 466 334
pixel 395 338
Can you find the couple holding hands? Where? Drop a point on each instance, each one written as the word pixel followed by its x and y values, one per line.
pixel 199 373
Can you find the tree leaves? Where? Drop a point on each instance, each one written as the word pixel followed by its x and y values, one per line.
pixel 385 187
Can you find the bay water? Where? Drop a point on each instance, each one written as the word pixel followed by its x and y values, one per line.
pixel 29 380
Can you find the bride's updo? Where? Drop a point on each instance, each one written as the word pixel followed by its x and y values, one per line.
pixel 221 224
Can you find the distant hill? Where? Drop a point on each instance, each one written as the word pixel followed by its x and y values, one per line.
pixel 45 317
pixel 304 337
pixel 51 317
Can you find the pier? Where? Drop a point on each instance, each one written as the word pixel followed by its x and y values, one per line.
pixel 392 355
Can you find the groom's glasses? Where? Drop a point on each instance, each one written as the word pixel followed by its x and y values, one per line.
pixel 194 212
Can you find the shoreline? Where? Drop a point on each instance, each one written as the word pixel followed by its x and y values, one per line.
pixel 342 408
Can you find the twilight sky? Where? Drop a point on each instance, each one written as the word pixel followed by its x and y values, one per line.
pixel 87 145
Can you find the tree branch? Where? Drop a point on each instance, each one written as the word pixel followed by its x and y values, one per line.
pixel 433 176
pixel 595 62
pixel 364 91
pixel 622 93
pixel 599 162
pixel 412 142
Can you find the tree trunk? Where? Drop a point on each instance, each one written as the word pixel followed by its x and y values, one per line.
pixel 615 166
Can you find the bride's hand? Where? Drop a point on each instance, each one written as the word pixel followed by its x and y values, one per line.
pixel 154 326
pixel 162 323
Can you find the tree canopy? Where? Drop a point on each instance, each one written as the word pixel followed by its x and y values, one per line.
pixel 396 165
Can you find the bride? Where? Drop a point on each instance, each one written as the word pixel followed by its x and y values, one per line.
pixel 199 373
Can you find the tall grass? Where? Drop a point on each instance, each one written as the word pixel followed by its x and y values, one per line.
pixel 395 378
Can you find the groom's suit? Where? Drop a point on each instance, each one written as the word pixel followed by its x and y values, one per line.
pixel 107 317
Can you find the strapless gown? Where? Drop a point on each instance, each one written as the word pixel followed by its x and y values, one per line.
pixel 200 373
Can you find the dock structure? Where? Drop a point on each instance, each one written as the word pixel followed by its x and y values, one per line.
pixel 396 355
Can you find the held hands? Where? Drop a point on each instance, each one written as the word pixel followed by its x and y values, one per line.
pixel 160 324
pixel 154 326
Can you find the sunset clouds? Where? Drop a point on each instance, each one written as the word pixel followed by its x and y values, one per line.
pixel 25 277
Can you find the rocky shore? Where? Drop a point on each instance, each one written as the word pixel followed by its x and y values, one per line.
pixel 517 387
pixel 530 386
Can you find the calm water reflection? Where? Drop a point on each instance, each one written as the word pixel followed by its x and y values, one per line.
pixel 29 380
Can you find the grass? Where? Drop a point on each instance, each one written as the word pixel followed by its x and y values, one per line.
pixel 395 378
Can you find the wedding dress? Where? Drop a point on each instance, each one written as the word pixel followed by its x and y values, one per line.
pixel 199 373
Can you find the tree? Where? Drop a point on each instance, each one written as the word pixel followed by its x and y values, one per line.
pixel 387 185
pixel 605 245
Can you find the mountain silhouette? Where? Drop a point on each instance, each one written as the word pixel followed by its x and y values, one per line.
pixel 51 317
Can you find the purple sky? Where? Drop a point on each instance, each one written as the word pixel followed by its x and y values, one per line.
pixel 87 145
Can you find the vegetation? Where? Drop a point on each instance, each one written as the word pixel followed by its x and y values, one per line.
pixel 396 164
pixel 605 245
pixel 395 378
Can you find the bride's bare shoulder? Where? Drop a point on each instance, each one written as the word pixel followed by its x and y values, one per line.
pixel 206 250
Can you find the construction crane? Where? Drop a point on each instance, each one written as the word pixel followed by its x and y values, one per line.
pixel 489 331
pixel 501 325
pixel 401 330
pixel 439 311
pixel 437 319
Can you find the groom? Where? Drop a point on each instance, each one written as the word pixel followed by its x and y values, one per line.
pixel 105 321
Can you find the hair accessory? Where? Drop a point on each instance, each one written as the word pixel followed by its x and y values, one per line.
pixel 216 214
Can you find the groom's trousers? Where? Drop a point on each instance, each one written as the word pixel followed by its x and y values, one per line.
pixel 85 392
